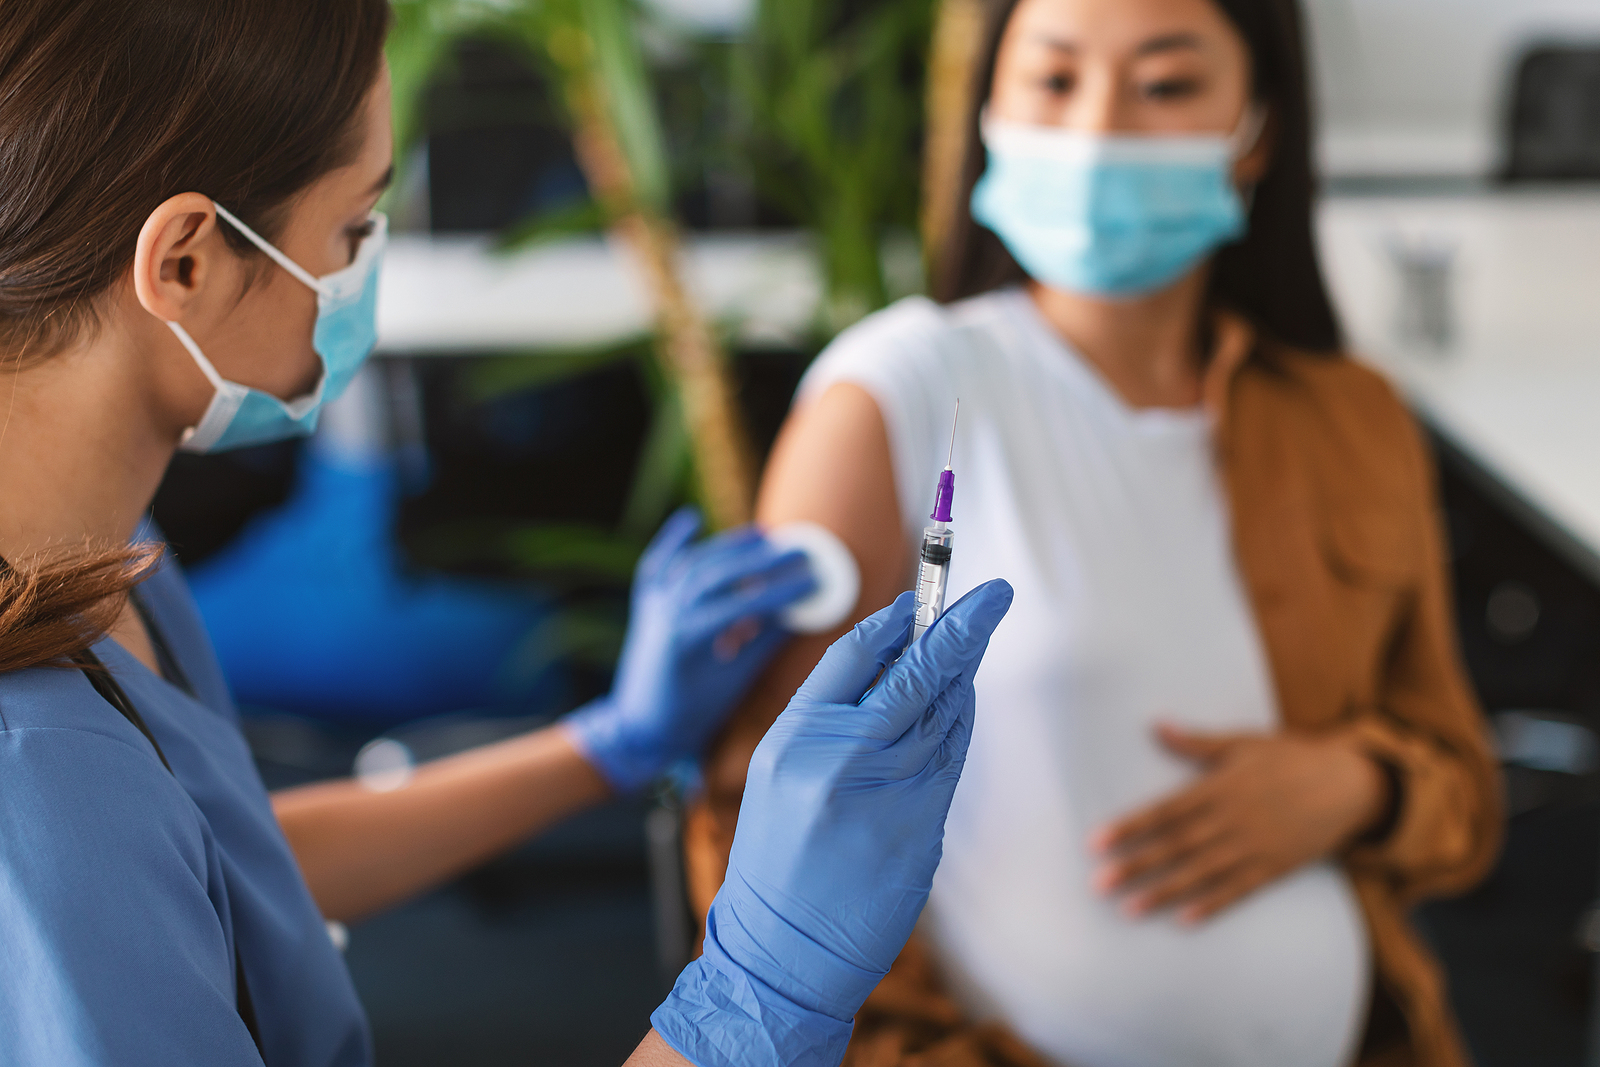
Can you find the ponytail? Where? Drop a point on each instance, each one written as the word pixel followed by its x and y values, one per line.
pixel 50 613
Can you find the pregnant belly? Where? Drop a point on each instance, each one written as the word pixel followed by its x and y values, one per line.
pixel 1281 978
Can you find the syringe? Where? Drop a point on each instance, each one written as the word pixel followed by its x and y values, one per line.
pixel 933 569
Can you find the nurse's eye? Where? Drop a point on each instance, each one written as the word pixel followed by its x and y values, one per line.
pixel 357 234
pixel 1171 89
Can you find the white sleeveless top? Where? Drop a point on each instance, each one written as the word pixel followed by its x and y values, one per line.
pixel 1112 525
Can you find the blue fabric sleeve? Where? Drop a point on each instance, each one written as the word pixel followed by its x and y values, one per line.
pixel 112 951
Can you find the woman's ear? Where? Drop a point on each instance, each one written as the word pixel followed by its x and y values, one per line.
pixel 175 255
pixel 1252 167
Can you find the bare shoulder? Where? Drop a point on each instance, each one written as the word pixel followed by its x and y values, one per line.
pixel 833 462
pixel 886 350
pixel 912 319
pixel 831 465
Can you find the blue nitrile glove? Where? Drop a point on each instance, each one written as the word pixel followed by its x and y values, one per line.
pixel 840 831
pixel 703 622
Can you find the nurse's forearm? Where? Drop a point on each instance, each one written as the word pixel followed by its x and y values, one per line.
pixel 362 850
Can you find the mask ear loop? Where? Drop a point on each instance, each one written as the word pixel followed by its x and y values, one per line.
pixel 1245 137
pixel 276 256
pixel 219 393
pixel 1243 141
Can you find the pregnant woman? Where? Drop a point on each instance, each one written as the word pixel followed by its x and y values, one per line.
pixel 1224 740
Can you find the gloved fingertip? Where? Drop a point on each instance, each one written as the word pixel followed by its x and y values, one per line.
pixel 685 518
pixel 891 622
pixel 790 559
pixel 780 594
pixel 675 533
pixel 739 536
pixel 954 644
pixel 852 662
pixel 993 595
pixel 975 616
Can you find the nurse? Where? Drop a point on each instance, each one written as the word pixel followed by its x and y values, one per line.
pixel 188 258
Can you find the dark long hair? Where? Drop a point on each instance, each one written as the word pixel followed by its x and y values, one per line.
pixel 107 109
pixel 1271 276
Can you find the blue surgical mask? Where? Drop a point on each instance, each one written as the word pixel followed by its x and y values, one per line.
pixel 1112 216
pixel 346 332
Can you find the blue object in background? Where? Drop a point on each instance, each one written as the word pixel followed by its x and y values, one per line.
pixel 311 612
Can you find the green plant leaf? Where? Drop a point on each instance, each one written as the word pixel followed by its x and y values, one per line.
pixel 515 372
pixel 613 34
pixel 573 549
pixel 832 95
pixel 582 216
pixel 589 635
pixel 421 37
pixel 664 465
pixel 555 554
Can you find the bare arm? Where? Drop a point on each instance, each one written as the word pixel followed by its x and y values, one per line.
pixel 362 851
pixel 654 1052
pixel 832 466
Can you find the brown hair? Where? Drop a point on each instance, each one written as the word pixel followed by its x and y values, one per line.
pixel 1271 276
pixel 107 109
pixel 59 606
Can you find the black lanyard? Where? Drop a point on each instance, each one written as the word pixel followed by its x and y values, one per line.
pixel 106 684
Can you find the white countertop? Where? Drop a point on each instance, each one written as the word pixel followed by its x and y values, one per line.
pixel 444 295
pixel 1519 391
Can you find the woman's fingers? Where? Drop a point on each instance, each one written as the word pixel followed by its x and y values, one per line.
pixel 1228 891
pixel 1197 873
pixel 1265 806
pixel 1152 820
pixel 1177 842
pixel 1199 745
pixel 674 534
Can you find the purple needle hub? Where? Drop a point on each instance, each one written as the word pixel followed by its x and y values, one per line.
pixel 946 496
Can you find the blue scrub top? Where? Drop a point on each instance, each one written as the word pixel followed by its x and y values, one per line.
pixel 124 889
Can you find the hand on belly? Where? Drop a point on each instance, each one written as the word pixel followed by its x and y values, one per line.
pixel 1266 805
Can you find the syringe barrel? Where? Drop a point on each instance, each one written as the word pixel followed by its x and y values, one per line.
pixel 933 574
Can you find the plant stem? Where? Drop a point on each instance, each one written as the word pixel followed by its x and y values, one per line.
pixel 687 348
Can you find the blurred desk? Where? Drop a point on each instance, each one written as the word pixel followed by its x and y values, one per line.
pixel 1518 393
pixel 449 295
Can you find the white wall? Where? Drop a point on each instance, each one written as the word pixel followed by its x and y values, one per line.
pixel 1419 86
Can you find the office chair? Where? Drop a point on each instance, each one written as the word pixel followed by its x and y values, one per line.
pixel 1554 120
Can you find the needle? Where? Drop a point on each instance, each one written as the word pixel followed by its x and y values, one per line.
pixel 953 422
